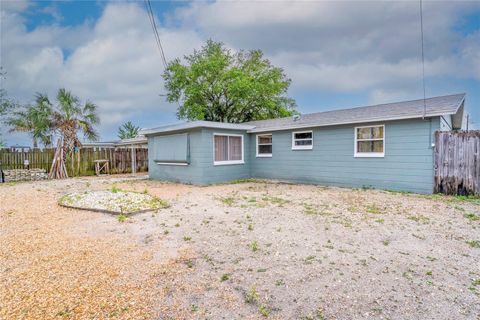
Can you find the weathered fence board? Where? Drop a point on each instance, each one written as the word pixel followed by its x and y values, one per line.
pixel 457 162
pixel 120 160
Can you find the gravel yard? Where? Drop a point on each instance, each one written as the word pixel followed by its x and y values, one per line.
pixel 251 250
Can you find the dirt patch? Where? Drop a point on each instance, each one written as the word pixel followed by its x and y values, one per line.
pixel 243 251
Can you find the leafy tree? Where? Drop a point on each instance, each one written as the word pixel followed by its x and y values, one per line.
pixel 34 119
pixel 70 118
pixel 42 119
pixel 128 130
pixel 220 85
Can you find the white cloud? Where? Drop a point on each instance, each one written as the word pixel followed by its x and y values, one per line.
pixel 345 46
pixel 113 63
pixel 371 48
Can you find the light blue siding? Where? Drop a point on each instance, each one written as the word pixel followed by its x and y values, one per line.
pixel 407 164
pixel 191 173
pixel 201 169
pixel 219 173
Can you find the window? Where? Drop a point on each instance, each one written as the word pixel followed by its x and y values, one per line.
pixel 302 140
pixel 227 149
pixel 264 145
pixel 370 141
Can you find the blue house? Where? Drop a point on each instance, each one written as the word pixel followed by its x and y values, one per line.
pixel 386 146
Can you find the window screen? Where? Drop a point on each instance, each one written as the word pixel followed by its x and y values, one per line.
pixel 171 148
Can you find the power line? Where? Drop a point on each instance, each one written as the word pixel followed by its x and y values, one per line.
pixel 151 17
pixel 423 63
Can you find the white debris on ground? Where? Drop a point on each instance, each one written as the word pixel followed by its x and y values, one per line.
pixel 114 201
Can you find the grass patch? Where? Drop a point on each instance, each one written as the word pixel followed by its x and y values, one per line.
pixel 225 277
pixel 309 209
pixel 275 200
pixel 121 218
pixel 251 296
pixel 473 243
pixel 373 209
pixel 229 201
pixel 419 219
pixel 254 246
pixel 264 311
pixel 238 181
pixel 471 216
pixel 445 198
pixel 115 189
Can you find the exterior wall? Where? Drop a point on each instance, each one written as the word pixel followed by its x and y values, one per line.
pixel 407 165
pixel 191 173
pixel 219 173
pixel 201 169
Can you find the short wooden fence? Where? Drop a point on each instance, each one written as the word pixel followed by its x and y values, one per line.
pixel 120 160
pixel 457 162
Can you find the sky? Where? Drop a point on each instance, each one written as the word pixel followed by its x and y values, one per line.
pixel 337 54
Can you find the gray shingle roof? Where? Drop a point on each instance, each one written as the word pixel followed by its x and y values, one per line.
pixel 196 124
pixel 436 106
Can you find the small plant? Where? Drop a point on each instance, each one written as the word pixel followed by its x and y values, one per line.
pixel 471 216
pixel 309 260
pixel 279 282
pixel 115 189
pixel 145 191
pixel 177 224
pixel 194 308
pixel 250 227
pixel 251 296
pixel 122 218
pixel 187 238
pixel 429 273
pixel 373 209
pixel 309 209
pixel 254 246
pixel 473 243
pixel 386 242
pixel 225 277
pixel 229 201
pixel 419 219
pixel 263 309
pixel 165 232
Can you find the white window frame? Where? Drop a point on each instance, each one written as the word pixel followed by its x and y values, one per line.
pixel 264 155
pixel 227 162
pixel 369 154
pixel 294 147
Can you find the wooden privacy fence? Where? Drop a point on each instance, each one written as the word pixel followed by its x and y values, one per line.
pixel 119 159
pixel 457 162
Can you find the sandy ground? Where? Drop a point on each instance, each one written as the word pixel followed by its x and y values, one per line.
pixel 238 251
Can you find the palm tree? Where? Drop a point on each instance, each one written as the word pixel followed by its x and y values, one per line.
pixel 34 119
pixel 70 118
pixel 128 130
